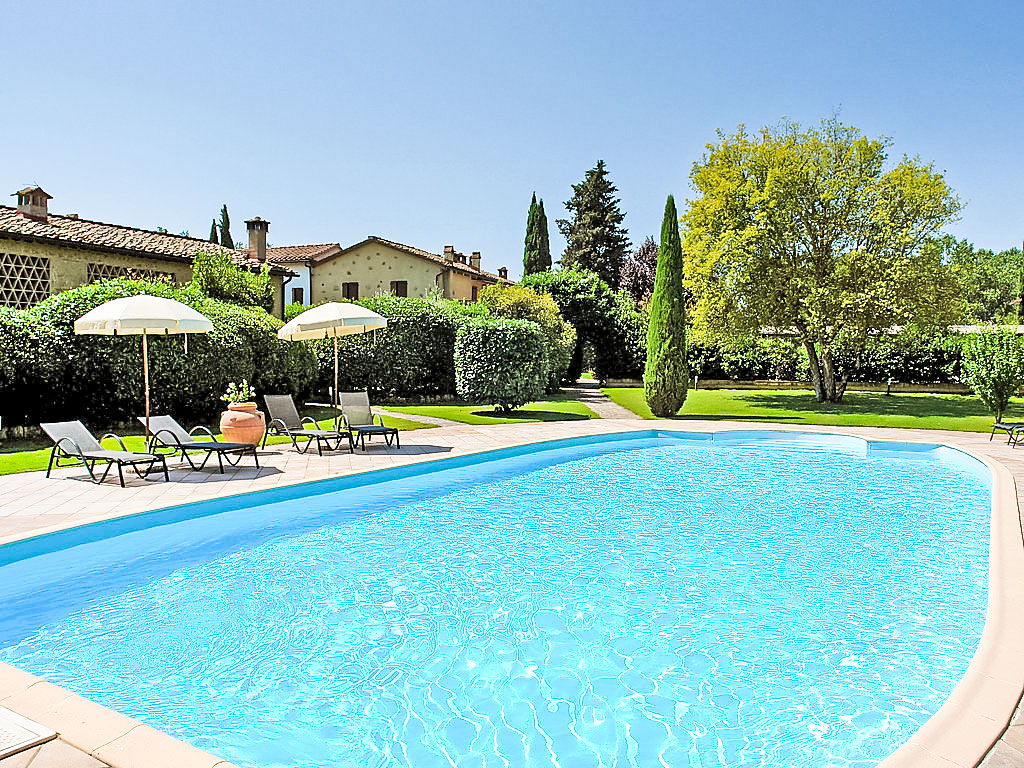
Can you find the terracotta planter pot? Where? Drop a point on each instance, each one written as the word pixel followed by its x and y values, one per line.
pixel 242 423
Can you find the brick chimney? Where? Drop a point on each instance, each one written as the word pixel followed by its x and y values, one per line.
pixel 32 202
pixel 503 273
pixel 474 260
pixel 258 237
pixel 449 253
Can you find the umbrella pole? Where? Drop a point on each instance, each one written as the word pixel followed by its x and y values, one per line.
pixel 335 381
pixel 145 376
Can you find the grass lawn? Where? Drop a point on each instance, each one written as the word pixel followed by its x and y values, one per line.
pixel 28 456
pixel 965 413
pixel 561 407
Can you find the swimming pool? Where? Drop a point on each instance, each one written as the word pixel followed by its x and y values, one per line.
pixel 761 599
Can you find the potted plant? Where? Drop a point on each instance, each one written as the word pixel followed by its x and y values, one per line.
pixel 241 422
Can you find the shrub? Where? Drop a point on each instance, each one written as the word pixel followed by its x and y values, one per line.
pixel 31 361
pixel 585 301
pixel 99 378
pixel 410 358
pixel 217 275
pixel 994 367
pixel 519 302
pixel 500 362
pixel 624 354
pixel 752 358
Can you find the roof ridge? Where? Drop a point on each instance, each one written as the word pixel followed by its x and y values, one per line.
pixel 130 228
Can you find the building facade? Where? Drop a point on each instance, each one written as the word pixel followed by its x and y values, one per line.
pixel 42 253
pixel 376 265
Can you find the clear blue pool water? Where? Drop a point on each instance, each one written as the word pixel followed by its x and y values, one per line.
pixel 643 601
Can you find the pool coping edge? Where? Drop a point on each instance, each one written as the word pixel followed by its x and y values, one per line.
pixel 960 734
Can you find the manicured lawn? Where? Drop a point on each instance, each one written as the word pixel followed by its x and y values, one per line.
pixel 964 413
pixel 555 408
pixel 29 456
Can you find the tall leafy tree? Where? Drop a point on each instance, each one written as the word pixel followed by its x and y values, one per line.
pixel 213 232
pixel 225 228
pixel 595 237
pixel 990 281
pixel 666 376
pixel 811 233
pixel 638 271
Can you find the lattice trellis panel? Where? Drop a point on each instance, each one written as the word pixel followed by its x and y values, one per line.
pixel 24 280
pixel 109 271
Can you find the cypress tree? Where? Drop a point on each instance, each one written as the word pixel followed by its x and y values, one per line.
pixel 213 232
pixel 666 376
pixel 225 228
pixel 537 249
pixel 545 243
pixel 595 237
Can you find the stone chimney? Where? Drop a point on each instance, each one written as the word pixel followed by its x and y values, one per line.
pixel 258 237
pixel 32 202
pixel 449 253
pixel 474 260
pixel 503 273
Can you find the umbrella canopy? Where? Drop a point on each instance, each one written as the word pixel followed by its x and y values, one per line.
pixel 137 315
pixel 332 320
pixel 142 316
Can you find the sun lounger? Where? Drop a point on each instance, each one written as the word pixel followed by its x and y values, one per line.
pixel 284 420
pixel 166 432
pixel 72 441
pixel 1010 428
pixel 359 419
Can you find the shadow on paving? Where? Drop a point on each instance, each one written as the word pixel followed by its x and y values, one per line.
pixel 532 415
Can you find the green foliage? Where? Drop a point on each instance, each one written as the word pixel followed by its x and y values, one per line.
pixel 807 231
pixel 225 228
pixel 991 282
pixel 410 358
pixel 753 358
pixel 624 354
pixel 585 301
pixel 501 362
pixel 994 367
pixel 595 237
pixel 666 376
pixel 519 302
pixel 220 278
pixel 213 233
pixel 99 378
pixel 536 250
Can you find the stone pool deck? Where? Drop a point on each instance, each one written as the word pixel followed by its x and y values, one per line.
pixel 978 715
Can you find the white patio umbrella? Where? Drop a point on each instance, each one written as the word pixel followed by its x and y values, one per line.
pixel 146 316
pixel 332 320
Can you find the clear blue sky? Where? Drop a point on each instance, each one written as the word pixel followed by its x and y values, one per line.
pixel 431 123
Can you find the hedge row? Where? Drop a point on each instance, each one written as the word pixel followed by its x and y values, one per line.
pixel 48 373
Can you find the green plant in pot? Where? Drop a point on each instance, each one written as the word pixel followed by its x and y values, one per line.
pixel 241 422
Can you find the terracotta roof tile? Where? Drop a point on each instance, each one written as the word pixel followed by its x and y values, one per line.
pixel 96 235
pixel 301 253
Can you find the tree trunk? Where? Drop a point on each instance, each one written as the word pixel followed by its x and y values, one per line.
pixel 812 359
pixel 828 388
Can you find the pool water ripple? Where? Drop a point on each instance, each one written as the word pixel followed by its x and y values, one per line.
pixel 664 603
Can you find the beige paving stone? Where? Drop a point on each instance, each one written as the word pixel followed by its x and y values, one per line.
pixel 145 747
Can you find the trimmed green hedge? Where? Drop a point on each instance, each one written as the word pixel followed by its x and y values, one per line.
pixel 411 358
pixel 501 362
pixel 59 375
